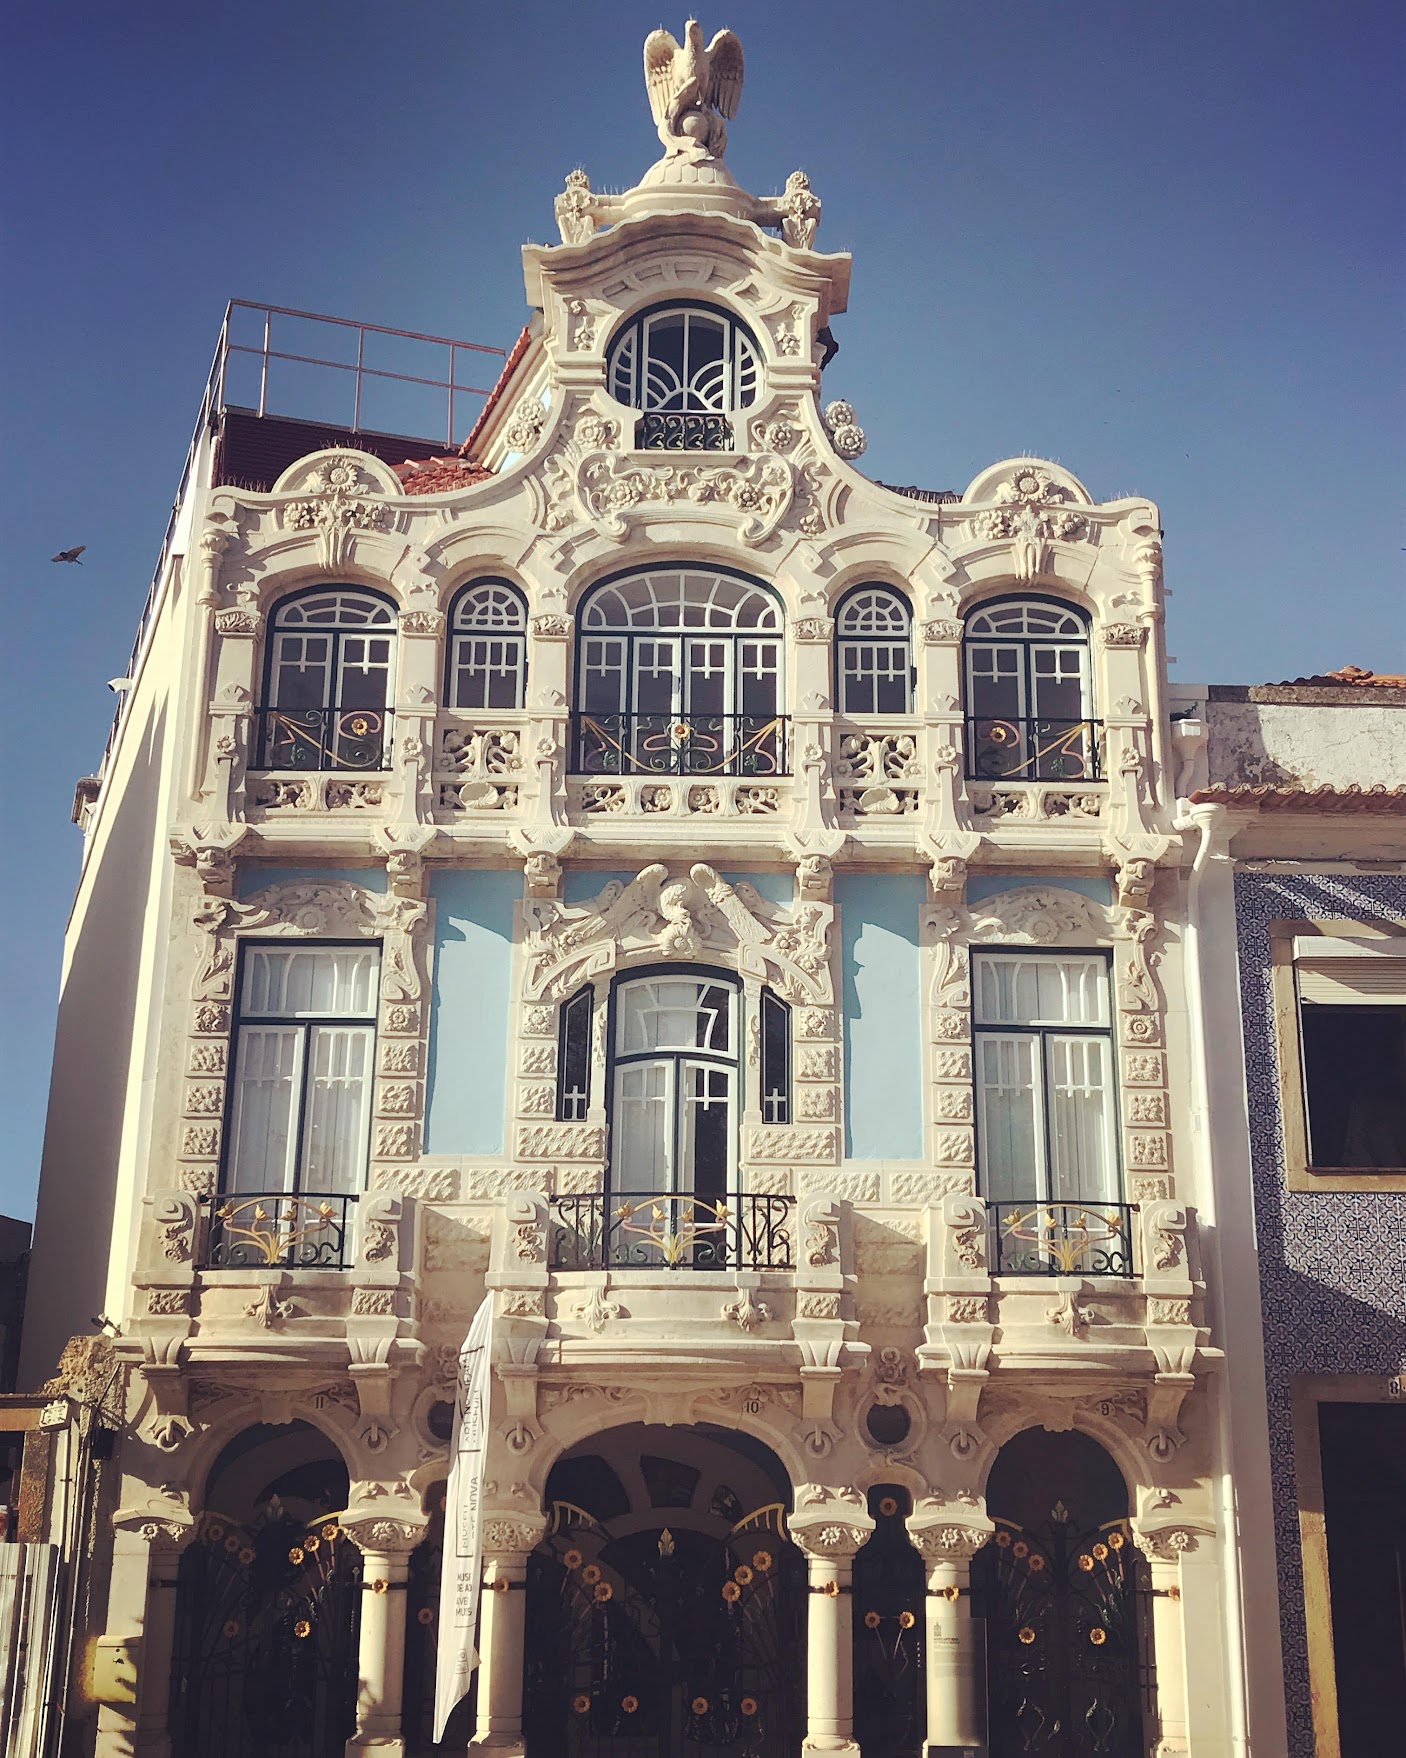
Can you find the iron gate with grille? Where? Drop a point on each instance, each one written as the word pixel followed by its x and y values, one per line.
pixel 1067 1672
pixel 665 1644
pixel 890 1704
pixel 265 1662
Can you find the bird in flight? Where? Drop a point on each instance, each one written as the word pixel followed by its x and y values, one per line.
pixel 70 555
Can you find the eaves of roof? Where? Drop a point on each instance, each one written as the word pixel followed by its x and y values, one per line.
pixel 1267 798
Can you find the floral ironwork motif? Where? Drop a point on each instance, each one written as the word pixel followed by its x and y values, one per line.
pixel 1060 1239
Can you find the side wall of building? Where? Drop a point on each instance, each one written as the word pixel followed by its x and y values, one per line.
pixel 1334 1299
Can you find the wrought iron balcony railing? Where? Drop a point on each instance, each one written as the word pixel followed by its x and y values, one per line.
pixel 277 1230
pixel 689 430
pixel 1033 749
pixel 1060 1239
pixel 678 744
pixel 659 1230
pixel 323 738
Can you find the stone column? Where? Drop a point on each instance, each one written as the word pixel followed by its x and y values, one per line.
pixel 507 1545
pixel 385 1547
pixel 166 1541
pixel 829 1526
pixel 1187 1634
pixel 948 1535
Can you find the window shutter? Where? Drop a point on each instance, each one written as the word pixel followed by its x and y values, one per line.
pixel 1346 973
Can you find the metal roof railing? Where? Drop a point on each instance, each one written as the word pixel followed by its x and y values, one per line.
pixel 214 402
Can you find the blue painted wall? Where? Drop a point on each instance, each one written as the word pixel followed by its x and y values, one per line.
pixel 470 997
pixel 882 980
pixel 252 879
pixel 580 884
pixel 991 885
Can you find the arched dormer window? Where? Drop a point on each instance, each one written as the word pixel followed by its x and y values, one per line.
pixel 487 647
pixel 328 680
pixel 1030 693
pixel 678 672
pixel 874 652
pixel 688 368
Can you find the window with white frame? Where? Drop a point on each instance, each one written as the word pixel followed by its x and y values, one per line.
pixel 330 660
pixel 678 670
pixel 1029 693
pixel 874 652
pixel 1351 994
pixel 487 647
pixel 1046 1106
pixel 688 368
pixel 300 1102
pixel 676 1081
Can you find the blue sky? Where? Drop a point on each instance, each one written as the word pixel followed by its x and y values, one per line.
pixel 1160 243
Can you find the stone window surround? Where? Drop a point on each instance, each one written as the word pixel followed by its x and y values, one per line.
pixel 1298 1173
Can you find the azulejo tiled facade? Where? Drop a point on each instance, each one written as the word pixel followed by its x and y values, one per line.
pixel 1330 1263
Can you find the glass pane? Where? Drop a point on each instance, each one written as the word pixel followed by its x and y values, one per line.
pixel 574 1079
pixel 707 1129
pixel 264 1116
pixel 642 1146
pixel 1082 1163
pixel 995 682
pixel 365 671
pixel 656 677
pixel 602 676
pixel 302 671
pixel 334 1133
pixel 1012 989
pixel 706 683
pixel 487 671
pixel 292 982
pixel 1008 1117
pixel 664 363
pixel 674 1013
pixel 776 1060
pixel 1057 683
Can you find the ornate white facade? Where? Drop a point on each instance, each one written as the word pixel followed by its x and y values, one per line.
pixel 888 1278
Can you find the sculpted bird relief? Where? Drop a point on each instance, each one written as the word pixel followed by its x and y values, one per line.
pixel 701 915
pixel 691 88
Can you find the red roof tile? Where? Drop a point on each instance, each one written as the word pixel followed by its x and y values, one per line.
pixel 495 396
pixel 1354 675
pixel 439 475
pixel 1268 798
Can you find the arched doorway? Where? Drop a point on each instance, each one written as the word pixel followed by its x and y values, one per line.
pixel 666 1606
pixel 890 1706
pixel 268 1605
pixel 1062 1591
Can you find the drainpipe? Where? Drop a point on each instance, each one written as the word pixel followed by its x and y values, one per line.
pixel 1220 1131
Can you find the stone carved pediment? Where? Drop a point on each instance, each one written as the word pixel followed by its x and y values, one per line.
pixel 338 911
pixel 694 916
pixel 1039 915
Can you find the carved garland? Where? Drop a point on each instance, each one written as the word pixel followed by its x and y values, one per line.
pixel 311 911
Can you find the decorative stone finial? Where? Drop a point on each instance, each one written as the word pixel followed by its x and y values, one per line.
pixel 692 88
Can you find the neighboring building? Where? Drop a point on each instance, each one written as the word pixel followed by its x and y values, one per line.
pixel 14 1269
pixel 734 913
pixel 1303 808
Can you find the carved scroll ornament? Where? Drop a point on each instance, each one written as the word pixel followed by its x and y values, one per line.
pixel 697 916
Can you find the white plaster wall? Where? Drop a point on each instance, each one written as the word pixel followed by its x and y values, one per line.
pixel 1307 745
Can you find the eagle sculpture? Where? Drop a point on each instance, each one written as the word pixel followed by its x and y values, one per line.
pixel 692 88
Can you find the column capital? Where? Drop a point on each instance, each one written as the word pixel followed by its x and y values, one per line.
pixel 830 1522
pixel 948 1532
pixel 384 1537
pixel 508 1534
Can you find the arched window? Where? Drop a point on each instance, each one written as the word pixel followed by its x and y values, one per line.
pixel 328 682
pixel 487 647
pixel 679 672
pixel 674 1116
pixel 688 368
pixel 1029 693
pixel 874 652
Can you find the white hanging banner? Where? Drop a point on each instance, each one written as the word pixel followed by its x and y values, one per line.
pixel 463 1522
